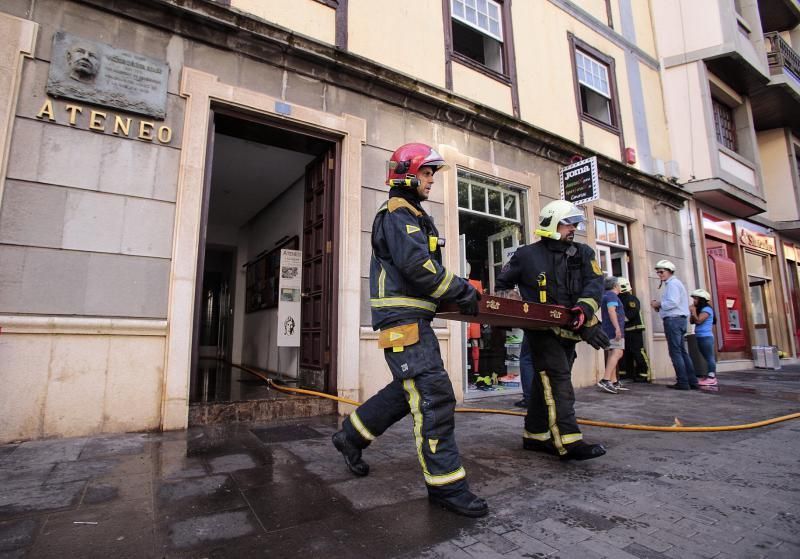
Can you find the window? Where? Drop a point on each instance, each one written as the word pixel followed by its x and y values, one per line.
pixel 482 195
pixel 724 124
pixel 595 88
pixel 478 32
pixel 612 246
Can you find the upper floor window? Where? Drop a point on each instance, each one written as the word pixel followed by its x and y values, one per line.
pixel 483 195
pixel 724 124
pixel 595 88
pixel 478 32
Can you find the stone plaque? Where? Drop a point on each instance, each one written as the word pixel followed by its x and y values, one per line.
pixel 103 75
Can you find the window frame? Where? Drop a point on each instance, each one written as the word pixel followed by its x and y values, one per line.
pixel 505 188
pixel 718 107
pixel 614 109
pixel 508 75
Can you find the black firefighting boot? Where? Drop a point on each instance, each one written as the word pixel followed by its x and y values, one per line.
pixel 539 446
pixel 583 451
pixel 460 501
pixel 351 453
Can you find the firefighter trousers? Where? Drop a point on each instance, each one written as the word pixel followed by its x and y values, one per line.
pixel 551 409
pixel 635 360
pixel 420 386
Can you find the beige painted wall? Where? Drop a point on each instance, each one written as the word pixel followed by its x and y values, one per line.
pixel 407 36
pixel 481 88
pixel 776 170
pixel 81 376
pixel 687 25
pixel 684 91
pixel 306 17
pixel 597 8
pixel 546 79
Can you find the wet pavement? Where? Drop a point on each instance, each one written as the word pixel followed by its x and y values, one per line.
pixel 279 489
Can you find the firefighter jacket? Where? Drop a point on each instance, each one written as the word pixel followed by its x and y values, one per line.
pixel 406 279
pixel 633 312
pixel 556 273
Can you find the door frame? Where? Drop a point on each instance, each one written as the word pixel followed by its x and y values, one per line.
pixel 201 91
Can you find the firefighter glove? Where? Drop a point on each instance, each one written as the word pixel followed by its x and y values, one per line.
pixel 595 337
pixel 580 314
pixel 468 302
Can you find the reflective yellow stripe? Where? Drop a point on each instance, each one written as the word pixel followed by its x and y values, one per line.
pixel 416 414
pixel 403 302
pixel 444 479
pixel 546 436
pixel 443 287
pixel 382 283
pixel 363 431
pixel 589 301
pixel 647 362
pixel 571 438
pixel 551 413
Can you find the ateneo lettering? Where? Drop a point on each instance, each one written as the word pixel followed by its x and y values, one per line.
pixel 144 130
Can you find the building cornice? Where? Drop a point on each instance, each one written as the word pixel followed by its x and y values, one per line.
pixel 230 29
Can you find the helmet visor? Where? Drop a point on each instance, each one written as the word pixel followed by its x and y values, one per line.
pixel 578 220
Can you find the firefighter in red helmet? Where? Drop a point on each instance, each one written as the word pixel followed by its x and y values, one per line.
pixel 407 283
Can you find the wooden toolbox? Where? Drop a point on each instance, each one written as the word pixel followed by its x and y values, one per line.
pixel 511 313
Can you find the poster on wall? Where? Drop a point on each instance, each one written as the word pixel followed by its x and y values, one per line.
pixel 289 284
pixel 580 181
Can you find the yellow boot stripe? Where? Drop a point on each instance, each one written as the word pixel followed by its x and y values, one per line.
pixel 571 438
pixel 551 413
pixel 444 479
pixel 363 431
pixel 416 413
pixel 546 436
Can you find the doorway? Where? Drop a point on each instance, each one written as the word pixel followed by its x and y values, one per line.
pixel 269 190
pixel 491 223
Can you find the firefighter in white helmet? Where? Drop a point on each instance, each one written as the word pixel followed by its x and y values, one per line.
pixel 557 270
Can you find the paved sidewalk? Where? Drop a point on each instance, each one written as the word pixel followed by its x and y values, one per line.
pixel 281 490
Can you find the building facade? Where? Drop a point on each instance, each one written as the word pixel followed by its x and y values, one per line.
pixel 732 87
pixel 157 156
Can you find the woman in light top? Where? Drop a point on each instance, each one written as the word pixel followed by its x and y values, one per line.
pixel 703 318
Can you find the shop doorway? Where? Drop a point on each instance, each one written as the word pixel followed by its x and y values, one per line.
pixel 268 189
pixel 491 222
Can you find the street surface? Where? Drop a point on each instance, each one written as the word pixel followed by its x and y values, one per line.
pixel 281 489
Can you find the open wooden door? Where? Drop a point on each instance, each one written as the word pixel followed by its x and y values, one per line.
pixel 317 292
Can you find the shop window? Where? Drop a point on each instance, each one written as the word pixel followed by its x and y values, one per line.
pixel 724 124
pixel 477 31
pixel 483 195
pixel 596 88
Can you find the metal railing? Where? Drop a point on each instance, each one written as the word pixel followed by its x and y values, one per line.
pixel 781 55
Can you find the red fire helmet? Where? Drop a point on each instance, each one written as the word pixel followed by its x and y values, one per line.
pixel 406 161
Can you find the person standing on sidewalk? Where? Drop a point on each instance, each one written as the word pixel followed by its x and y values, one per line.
pixel 613 324
pixel 558 271
pixel 703 319
pixel 674 311
pixel 635 360
pixel 407 283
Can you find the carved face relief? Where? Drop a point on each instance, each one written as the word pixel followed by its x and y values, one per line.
pixel 83 63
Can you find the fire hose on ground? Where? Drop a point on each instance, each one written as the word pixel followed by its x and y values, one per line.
pixel 677 428
pixel 512 313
